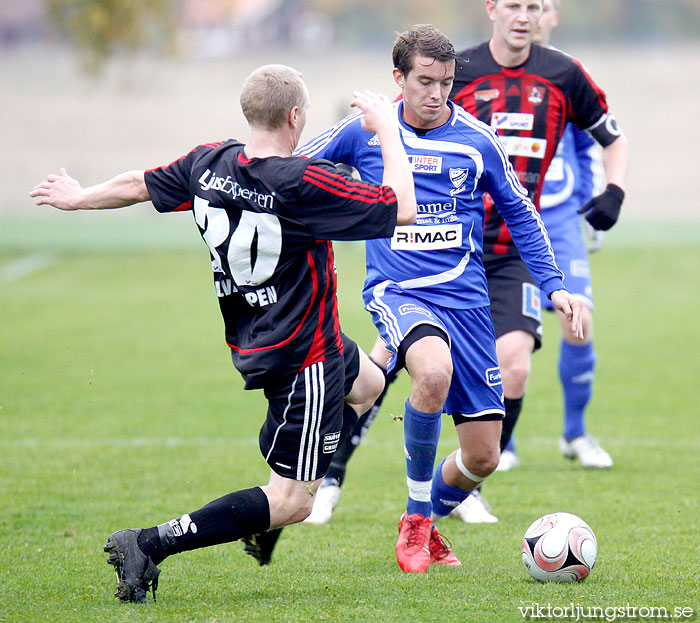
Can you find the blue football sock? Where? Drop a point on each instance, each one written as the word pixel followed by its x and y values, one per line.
pixel 444 497
pixel 421 434
pixel 511 444
pixel 576 372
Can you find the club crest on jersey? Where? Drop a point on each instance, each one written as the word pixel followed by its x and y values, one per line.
pixel 426 164
pixel 532 306
pixel 458 177
pixel 536 95
pixel 487 95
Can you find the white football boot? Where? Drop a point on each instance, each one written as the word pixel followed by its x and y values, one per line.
pixel 508 461
pixel 587 450
pixel 475 509
pixel 327 498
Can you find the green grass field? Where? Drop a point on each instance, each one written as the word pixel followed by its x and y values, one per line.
pixel 120 408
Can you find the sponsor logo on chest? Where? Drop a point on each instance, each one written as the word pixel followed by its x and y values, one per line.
pixel 486 95
pixel 437 209
pixel 512 121
pixel 425 164
pixel 425 238
pixel 524 146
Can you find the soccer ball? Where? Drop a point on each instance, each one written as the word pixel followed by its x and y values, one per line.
pixel 560 547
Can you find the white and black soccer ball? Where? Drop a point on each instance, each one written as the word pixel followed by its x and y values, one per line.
pixel 559 547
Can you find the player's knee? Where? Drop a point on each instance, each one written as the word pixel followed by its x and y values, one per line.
pixel 431 386
pixel 375 386
pixel 482 463
pixel 514 375
pixel 303 510
pixel 290 507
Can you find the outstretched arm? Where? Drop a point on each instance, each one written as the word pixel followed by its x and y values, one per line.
pixel 65 193
pixel 380 118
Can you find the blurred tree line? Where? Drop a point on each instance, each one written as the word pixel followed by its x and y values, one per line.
pixel 103 28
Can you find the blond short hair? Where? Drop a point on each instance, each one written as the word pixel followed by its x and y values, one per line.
pixel 269 93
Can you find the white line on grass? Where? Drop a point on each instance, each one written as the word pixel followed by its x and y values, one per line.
pixel 62 442
pixel 25 265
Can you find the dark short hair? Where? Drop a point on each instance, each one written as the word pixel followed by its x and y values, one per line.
pixel 421 40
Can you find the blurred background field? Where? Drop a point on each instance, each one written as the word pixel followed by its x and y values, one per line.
pixel 118 402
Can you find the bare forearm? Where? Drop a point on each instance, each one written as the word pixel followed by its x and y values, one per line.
pixel 615 160
pixel 123 190
pixel 65 193
pixel 380 118
pixel 398 175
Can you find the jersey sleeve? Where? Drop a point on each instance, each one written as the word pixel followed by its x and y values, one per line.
pixel 338 144
pixel 339 207
pixel 589 181
pixel 589 106
pixel 169 185
pixel 521 217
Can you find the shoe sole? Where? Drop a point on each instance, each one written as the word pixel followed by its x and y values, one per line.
pixel 421 569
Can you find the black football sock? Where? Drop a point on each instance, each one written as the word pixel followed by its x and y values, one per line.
pixel 351 439
pixel 513 408
pixel 226 519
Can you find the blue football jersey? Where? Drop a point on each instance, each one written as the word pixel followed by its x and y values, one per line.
pixel 439 258
pixel 574 176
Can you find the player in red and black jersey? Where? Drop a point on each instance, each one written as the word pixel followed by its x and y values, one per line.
pixel 528 93
pixel 268 219
pixel 273 263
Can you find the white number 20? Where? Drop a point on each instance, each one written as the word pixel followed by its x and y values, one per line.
pixel 215 223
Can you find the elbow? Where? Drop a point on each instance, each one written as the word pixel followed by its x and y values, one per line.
pixel 138 191
pixel 407 212
pixel 407 218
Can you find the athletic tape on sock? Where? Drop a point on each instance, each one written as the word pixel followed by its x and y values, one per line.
pixel 464 470
pixel 419 490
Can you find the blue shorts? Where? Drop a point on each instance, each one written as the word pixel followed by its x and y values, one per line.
pixel 476 388
pixel 571 256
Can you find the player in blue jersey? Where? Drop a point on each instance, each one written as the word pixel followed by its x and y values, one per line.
pixel 268 219
pixel 426 286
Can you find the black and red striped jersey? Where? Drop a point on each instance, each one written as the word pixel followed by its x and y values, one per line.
pixel 529 106
pixel 268 223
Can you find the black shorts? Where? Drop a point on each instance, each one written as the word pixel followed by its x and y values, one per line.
pixel 515 299
pixel 305 416
pixel 351 355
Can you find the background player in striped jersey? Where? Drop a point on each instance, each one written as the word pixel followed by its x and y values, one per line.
pixel 426 287
pixel 265 217
pixel 574 176
pixel 529 93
